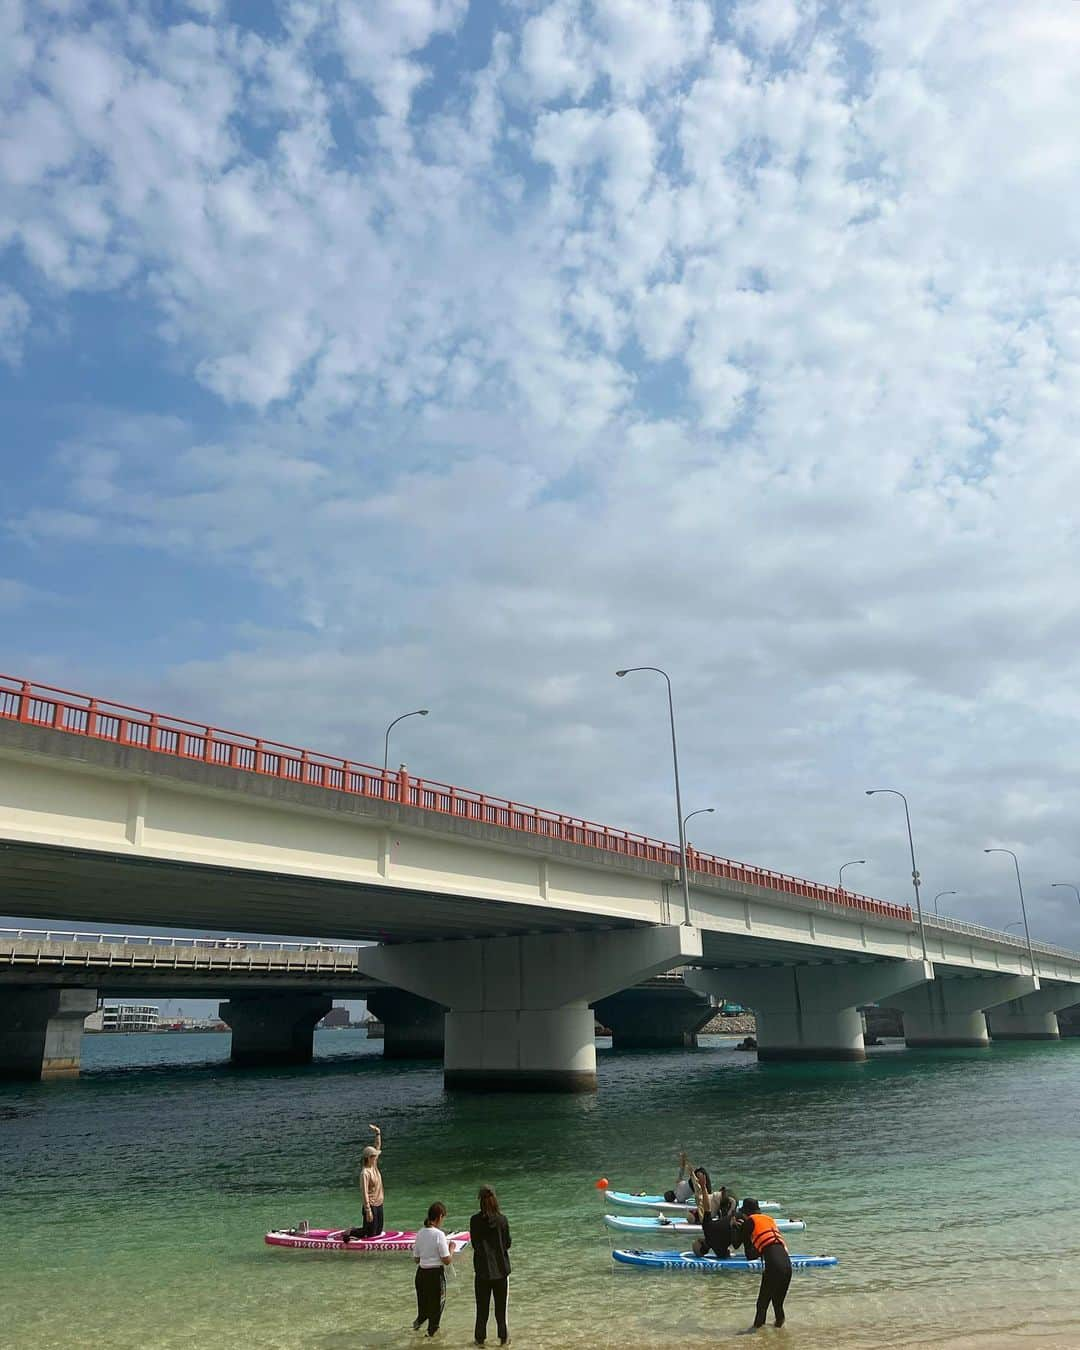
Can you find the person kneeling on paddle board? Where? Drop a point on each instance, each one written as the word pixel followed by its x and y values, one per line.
pixel 716 1210
pixel 371 1190
pixel 761 1237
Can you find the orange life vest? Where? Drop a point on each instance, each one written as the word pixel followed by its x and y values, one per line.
pixel 764 1232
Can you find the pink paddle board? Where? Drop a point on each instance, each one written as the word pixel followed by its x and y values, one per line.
pixel 329 1240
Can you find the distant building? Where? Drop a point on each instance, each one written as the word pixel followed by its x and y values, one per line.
pixel 338 1016
pixel 124 1017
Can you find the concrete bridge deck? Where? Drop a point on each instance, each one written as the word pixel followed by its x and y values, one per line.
pixel 119 965
pixel 515 919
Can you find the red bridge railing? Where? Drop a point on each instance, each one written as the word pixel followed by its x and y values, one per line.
pixel 44 706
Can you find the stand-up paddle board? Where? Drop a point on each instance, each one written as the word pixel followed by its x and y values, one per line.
pixel 639 1200
pixel 330 1240
pixel 687 1261
pixel 640 1223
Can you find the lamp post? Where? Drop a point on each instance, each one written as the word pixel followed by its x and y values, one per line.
pixel 939 895
pixel 855 862
pixel 630 670
pixel 1070 886
pixel 701 811
pixel 870 792
pixel 1023 907
pixel 416 712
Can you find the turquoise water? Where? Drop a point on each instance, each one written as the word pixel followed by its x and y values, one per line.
pixel 134 1200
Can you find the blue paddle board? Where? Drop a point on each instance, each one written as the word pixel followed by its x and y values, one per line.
pixel 642 1223
pixel 657 1202
pixel 687 1261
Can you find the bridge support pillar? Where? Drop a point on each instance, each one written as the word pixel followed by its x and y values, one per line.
pixel 1032 1017
pixel 949 1013
pixel 414 1028
pixel 653 1018
pixel 274 1028
pixel 41 1031
pixel 519 1016
pixel 811 1012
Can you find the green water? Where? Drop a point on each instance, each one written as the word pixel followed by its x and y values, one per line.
pixel 134 1200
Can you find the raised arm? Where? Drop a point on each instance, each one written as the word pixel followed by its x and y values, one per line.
pixel 378 1136
pixel 701 1195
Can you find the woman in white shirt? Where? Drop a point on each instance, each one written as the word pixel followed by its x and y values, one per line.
pixel 431 1252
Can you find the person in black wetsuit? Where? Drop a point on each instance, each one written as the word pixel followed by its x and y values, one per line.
pixel 761 1238
pixel 489 1234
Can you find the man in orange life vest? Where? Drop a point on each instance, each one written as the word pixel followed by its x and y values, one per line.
pixel 761 1238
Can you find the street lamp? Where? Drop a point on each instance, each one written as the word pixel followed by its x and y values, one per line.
pixel 630 670
pixel 892 792
pixel 939 895
pixel 1023 907
pixel 855 862
pixel 1070 886
pixel 1016 924
pixel 416 712
pixel 701 811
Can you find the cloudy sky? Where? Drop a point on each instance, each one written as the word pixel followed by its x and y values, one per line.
pixel 357 355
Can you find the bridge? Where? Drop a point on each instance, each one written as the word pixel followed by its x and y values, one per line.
pixel 515 919
pixel 276 993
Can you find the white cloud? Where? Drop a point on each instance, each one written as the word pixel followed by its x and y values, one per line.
pixel 648 343
pixel 770 23
pixel 380 39
pixel 633 45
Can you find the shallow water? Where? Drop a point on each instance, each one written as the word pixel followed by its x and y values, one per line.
pixel 135 1199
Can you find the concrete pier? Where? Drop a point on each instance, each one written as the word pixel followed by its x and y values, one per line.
pixel 655 1016
pixel 522 1050
pixel 41 1031
pixel 519 1017
pixel 1034 1016
pixel 1069 1020
pixel 1005 1024
pixel 413 1027
pixel 811 1012
pixel 950 1013
pixel 274 1028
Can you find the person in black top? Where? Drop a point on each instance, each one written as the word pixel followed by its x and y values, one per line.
pixel 716 1210
pixel 489 1234
pixel 761 1238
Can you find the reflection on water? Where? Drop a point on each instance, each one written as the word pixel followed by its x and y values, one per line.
pixel 135 1200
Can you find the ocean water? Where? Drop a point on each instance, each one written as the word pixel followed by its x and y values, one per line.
pixel 133 1202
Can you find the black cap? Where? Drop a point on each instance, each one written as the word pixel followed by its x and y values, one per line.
pixel 749 1206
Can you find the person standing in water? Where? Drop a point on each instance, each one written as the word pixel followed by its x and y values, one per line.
pixel 489 1234
pixel 761 1237
pixel 431 1252
pixel 371 1186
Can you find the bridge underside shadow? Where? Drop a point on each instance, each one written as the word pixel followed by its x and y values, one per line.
pixel 91 887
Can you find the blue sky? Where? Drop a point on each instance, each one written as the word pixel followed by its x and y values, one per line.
pixel 358 357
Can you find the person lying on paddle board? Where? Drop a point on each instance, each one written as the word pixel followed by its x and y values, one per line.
pixel 683 1191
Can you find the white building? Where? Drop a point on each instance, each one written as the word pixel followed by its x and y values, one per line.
pixel 124 1017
